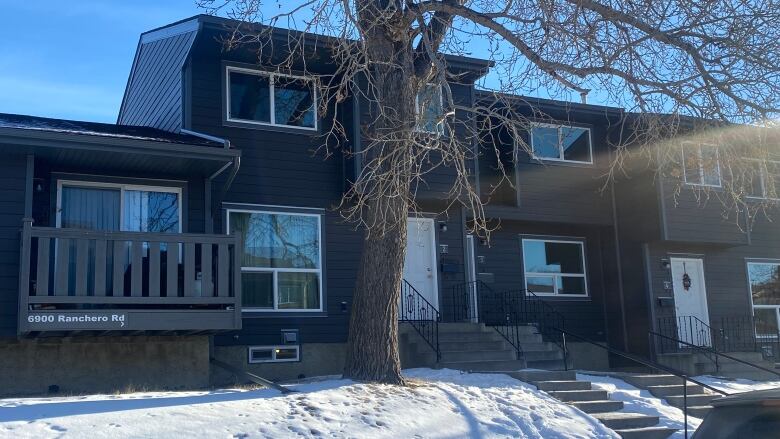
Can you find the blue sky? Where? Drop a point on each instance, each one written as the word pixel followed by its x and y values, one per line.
pixel 71 59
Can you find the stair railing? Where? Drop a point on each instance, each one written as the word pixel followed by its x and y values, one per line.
pixel 653 366
pixel 465 299
pixel 548 321
pixel 673 331
pixel 421 315
pixel 714 352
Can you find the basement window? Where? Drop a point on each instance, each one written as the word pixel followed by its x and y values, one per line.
pixel 264 98
pixel 274 354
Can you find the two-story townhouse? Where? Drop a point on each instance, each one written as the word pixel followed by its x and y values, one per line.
pixel 202 225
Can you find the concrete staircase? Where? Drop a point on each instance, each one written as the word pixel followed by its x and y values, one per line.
pixel 699 364
pixel 564 386
pixel 473 347
pixel 670 388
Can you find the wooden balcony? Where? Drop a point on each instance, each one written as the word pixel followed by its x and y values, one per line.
pixel 79 280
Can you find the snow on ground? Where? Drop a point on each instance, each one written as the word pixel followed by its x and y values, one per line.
pixel 736 385
pixel 440 404
pixel 641 401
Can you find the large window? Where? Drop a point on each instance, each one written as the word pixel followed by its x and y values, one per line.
pixel 271 99
pixel 561 143
pixel 701 164
pixel 764 181
pixel 765 291
pixel 554 267
pixel 430 109
pixel 112 207
pixel 281 266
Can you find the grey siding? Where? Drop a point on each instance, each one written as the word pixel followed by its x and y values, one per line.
pixel 13 171
pixel 154 90
pixel 699 216
pixel 503 259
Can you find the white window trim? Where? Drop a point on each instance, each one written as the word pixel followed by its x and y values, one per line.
pixel 417 126
pixel 700 159
pixel 561 158
pixel 273 349
pixel 763 174
pixel 276 308
pixel 272 84
pixel 122 188
pixel 754 307
pixel 583 275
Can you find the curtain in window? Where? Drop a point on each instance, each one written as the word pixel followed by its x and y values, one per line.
pixel 90 208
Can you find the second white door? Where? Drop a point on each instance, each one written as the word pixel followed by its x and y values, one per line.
pixel 690 298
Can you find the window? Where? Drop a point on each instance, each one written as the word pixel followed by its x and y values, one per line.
pixel 764 181
pixel 701 164
pixel 281 267
pixel 274 354
pixel 112 207
pixel 555 267
pixel 764 280
pixel 561 143
pixel 271 99
pixel 430 109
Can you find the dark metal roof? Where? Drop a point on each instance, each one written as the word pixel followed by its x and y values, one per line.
pixel 24 122
pixel 755 397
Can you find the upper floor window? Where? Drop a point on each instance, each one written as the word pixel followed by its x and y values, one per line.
pixel 701 164
pixel 281 269
pixel 561 143
pixel 430 109
pixel 555 267
pixel 764 181
pixel 271 99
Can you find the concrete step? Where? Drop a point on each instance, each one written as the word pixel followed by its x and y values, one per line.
pixel 484 366
pixel 541 346
pixel 522 330
pixel 645 380
pixel 546 364
pixel 542 355
pixel 693 400
pixel 482 345
pixel 699 411
pixel 755 375
pixel 622 420
pixel 598 406
pixel 675 389
pixel 739 367
pixel 646 433
pixel 456 337
pixel 455 356
pixel 532 376
pixel 579 395
pixel 461 327
pixel 562 385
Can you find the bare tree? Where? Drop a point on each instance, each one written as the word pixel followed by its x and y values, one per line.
pixel 716 60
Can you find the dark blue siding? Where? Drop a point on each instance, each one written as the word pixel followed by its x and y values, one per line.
pixel 13 171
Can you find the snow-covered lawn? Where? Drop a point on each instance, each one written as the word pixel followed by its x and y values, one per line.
pixel 440 404
pixel 642 401
pixel 737 385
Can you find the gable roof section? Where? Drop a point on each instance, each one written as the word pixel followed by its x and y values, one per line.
pixel 153 95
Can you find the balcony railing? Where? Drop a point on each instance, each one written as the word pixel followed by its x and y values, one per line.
pixel 81 280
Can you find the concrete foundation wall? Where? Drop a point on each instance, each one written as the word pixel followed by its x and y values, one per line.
pixel 585 356
pixel 103 364
pixel 317 359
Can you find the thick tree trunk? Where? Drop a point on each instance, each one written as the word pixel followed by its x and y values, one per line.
pixel 373 329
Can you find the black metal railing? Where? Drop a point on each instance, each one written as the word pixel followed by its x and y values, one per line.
pixel 712 352
pixel 687 328
pixel 652 365
pixel 421 315
pixel 507 312
pixel 465 300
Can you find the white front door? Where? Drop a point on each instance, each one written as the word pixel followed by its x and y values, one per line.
pixel 420 262
pixel 690 299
